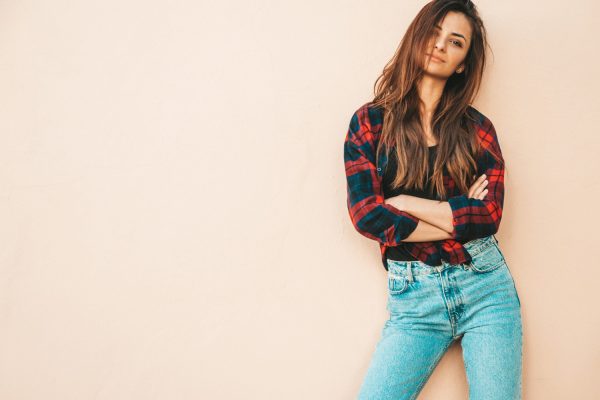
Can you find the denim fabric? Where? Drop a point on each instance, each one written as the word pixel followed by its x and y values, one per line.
pixel 432 306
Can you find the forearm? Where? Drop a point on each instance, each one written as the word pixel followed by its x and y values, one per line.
pixel 434 212
pixel 425 232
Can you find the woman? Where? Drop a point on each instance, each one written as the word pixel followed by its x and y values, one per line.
pixel 425 179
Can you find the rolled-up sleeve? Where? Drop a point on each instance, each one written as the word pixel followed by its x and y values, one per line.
pixel 370 215
pixel 474 218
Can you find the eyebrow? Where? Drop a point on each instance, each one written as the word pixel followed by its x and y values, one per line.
pixel 453 33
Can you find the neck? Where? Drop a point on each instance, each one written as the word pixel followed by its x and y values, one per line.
pixel 430 91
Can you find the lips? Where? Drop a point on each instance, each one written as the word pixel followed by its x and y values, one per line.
pixel 435 58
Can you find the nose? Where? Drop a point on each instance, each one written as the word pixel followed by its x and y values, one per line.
pixel 440 44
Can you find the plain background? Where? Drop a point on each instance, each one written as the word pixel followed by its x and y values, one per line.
pixel 172 196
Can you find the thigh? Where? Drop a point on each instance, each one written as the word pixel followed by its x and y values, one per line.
pixel 492 341
pixel 402 362
pixel 492 355
pixel 413 340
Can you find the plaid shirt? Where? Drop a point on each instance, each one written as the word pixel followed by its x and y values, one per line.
pixel 471 218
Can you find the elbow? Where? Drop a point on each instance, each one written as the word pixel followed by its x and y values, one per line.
pixel 371 230
pixel 361 224
pixel 377 225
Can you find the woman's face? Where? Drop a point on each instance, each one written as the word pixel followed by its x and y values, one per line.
pixel 448 46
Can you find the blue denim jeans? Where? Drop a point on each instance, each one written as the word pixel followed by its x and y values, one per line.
pixel 432 306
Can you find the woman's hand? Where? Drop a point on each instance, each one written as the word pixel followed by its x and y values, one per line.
pixel 477 189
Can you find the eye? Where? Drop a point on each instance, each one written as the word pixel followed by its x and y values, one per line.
pixel 458 43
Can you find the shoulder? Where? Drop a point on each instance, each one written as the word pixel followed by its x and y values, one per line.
pixel 481 120
pixel 484 127
pixel 365 123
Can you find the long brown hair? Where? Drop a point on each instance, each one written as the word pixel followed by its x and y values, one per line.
pixel 452 121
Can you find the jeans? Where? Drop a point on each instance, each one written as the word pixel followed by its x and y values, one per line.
pixel 430 307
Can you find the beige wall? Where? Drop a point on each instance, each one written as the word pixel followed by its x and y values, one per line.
pixel 172 197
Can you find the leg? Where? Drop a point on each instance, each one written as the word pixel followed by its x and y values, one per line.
pixel 492 344
pixel 492 356
pixel 414 338
pixel 402 363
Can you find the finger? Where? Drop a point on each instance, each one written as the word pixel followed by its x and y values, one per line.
pixel 481 190
pixel 478 186
pixel 473 191
pixel 478 194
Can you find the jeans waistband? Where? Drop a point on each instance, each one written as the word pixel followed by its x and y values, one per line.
pixel 416 267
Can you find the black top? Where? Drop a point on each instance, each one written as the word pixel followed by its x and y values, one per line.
pixel 399 252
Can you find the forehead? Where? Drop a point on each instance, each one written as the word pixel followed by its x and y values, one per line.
pixel 456 22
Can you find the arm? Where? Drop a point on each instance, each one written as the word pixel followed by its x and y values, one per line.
pixel 434 212
pixel 426 232
pixel 465 217
pixel 370 215
pixel 474 218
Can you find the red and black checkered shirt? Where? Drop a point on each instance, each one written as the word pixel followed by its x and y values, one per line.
pixel 389 226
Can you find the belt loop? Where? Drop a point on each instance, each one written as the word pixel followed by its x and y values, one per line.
pixel 409 271
pixel 439 268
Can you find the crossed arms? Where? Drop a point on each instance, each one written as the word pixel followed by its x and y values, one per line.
pixel 412 219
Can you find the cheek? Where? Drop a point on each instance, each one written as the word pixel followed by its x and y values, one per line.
pixel 455 58
pixel 429 46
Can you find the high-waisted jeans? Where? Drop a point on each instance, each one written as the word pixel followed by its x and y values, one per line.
pixel 432 306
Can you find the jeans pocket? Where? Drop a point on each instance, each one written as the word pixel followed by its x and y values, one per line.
pixel 488 259
pixel 397 284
